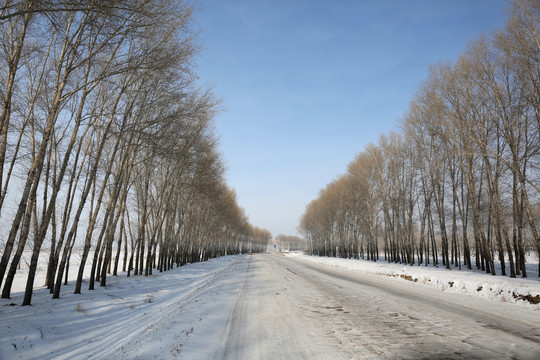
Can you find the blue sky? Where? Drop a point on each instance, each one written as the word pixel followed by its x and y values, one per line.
pixel 308 84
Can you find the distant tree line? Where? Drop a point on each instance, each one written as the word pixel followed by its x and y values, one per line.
pixel 460 181
pixel 290 243
pixel 107 142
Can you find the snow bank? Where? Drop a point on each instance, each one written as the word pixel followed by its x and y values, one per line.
pixel 520 291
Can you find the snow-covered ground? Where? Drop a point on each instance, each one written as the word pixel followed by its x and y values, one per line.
pixel 188 312
pixel 166 315
pixel 471 283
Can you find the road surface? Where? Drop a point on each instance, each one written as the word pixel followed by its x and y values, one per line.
pixel 289 309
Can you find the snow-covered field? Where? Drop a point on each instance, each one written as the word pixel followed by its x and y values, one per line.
pixel 166 315
pixel 471 283
pixel 186 312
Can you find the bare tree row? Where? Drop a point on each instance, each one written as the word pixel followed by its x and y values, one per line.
pixel 290 243
pixel 459 184
pixel 107 143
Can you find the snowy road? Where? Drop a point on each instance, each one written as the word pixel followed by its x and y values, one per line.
pixel 289 309
pixel 267 306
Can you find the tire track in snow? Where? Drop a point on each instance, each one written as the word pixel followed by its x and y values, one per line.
pixel 166 314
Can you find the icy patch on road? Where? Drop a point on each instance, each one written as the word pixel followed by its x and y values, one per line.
pixel 473 283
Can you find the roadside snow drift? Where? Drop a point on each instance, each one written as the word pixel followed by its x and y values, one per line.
pixel 524 292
